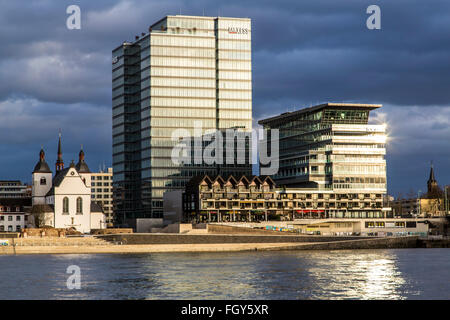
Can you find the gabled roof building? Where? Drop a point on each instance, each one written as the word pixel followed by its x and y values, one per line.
pixel 64 200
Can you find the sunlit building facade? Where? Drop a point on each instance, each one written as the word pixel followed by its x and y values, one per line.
pixel 186 72
pixel 101 192
pixel 330 151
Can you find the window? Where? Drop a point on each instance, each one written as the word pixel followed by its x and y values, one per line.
pixel 79 205
pixel 17 218
pixel 411 224
pixel 43 181
pixel 10 218
pixel 2 218
pixel 66 205
pixel 2 228
pixel 10 228
pixel 18 228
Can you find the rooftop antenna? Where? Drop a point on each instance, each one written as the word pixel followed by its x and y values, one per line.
pixel 203 11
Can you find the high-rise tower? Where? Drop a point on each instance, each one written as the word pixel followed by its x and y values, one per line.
pixel 184 72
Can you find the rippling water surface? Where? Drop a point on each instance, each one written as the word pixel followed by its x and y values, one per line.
pixel 360 274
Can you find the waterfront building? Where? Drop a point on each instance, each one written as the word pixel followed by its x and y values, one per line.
pixel 363 227
pixel 64 200
pixel 14 189
pixel 14 214
pixel 218 199
pixel 101 192
pixel 253 198
pixel 185 72
pixel 332 154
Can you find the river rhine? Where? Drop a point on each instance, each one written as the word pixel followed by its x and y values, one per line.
pixel 356 274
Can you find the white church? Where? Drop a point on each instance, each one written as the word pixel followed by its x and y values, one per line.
pixel 64 200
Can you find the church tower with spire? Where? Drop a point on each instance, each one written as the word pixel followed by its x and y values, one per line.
pixel 432 183
pixel 59 161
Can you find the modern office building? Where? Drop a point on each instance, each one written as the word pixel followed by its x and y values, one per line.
pixel 14 189
pixel 331 150
pixel 186 72
pixel 101 192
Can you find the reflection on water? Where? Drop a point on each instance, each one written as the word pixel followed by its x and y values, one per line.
pixel 371 274
pixel 367 275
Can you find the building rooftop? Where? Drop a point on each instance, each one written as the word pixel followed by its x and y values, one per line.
pixel 327 105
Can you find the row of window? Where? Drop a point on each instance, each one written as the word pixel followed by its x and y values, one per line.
pixel 11 218
pixel 101 196
pixel 101 178
pixel 9 209
pixel 10 228
pixel 101 190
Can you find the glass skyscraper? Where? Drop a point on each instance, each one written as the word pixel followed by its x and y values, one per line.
pixel 185 71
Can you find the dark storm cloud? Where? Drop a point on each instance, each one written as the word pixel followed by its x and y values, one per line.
pixel 304 53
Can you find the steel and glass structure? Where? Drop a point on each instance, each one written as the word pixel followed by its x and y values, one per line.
pixel 332 151
pixel 184 72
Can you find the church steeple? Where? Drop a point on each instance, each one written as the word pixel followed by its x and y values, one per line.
pixel 432 183
pixel 59 162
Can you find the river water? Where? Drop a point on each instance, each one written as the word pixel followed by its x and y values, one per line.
pixel 355 274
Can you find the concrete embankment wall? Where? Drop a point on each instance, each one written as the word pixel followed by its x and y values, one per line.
pixel 437 243
pixel 150 238
pixel 223 229
pixel 377 243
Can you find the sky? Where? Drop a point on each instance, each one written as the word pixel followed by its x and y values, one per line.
pixel 304 53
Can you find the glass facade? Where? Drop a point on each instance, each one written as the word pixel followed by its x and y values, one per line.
pixel 331 147
pixel 185 71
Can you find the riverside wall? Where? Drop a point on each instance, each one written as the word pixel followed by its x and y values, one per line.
pixel 374 243
pixel 165 238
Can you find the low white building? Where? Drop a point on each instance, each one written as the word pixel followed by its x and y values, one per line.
pixel 64 200
pixel 14 215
